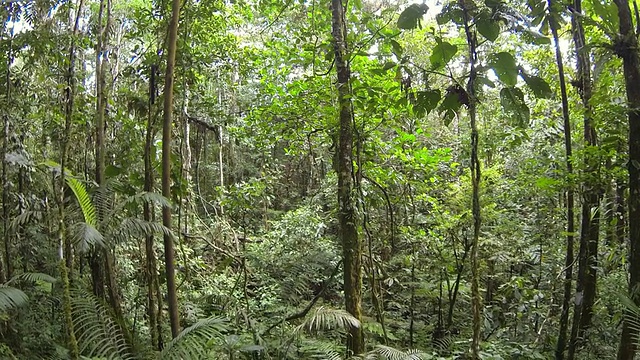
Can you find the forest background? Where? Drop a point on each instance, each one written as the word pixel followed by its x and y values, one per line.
pixel 209 179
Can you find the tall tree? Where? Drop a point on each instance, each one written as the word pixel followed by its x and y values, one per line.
pixel 169 251
pixel 590 227
pixel 627 49
pixel 351 242
pixel 476 300
pixel 566 299
pixel 64 246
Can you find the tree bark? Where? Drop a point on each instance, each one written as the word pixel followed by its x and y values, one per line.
pixel 566 300
pixel 153 287
pixel 169 251
pixel 476 299
pixel 590 227
pixel 65 249
pixel 351 242
pixel 627 49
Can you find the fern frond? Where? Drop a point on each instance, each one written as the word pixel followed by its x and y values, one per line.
pixel 86 235
pixel 99 334
pixel 328 319
pixel 86 205
pixel 11 298
pixel 191 343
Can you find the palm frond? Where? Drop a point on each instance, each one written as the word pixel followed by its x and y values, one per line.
pixel 86 205
pixel 133 227
pixel 11 298
pixel 98 333
pixel 324 318
pixel 382 352
pixel 24 218
pixel 32 277
pixel 191 343
pixel 144 197
pixel 86 235
pixel 632 316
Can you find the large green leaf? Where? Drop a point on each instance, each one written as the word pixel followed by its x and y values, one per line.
pixel 504 64
pixel 489 28
pixel 426 101
pixel 512 100
pixel 410 17
pixel 538 86
pixel 442 54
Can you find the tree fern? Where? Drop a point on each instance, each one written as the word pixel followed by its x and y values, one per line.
pixel 192 342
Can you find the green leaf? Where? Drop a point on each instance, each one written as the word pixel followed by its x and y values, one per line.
pixel 512 101
pixel 490 29
pixel 426 101
pixel 388 65
pixel 442 54
pixel 538 86
pixel 504 64
pixel 397 48
pixel 410 17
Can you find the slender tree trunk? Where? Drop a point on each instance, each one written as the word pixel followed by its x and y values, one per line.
pixel 169 251
pixel 151 267
pixel 5 148
pixel 590 228
pixel 566 300
pixel 620 210
pixel 627 49
pixel 65 250
pixel 476 299
pixel 96 261
pixel 351 242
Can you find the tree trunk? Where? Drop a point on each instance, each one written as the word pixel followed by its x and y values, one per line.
pixel 65 250
pixel 566 299
pixel 627 49
pixel 590 227
pixel 5 275
pixel 351 242
pixel 96 261
pixel 151 267
pixel 476 299
pixel 169 251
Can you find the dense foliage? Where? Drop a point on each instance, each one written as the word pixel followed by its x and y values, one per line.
pixel 208 179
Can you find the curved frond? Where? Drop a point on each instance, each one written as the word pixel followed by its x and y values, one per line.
pixel 382 352
pixel 99 334
pixel 132 227
pixel 24 218
pixel 632 316
pixel 86 205
pixel 86 235
pixel 324 318
pixel 191 343
pixel 144 197
pixel 32 277
pixel 11 298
